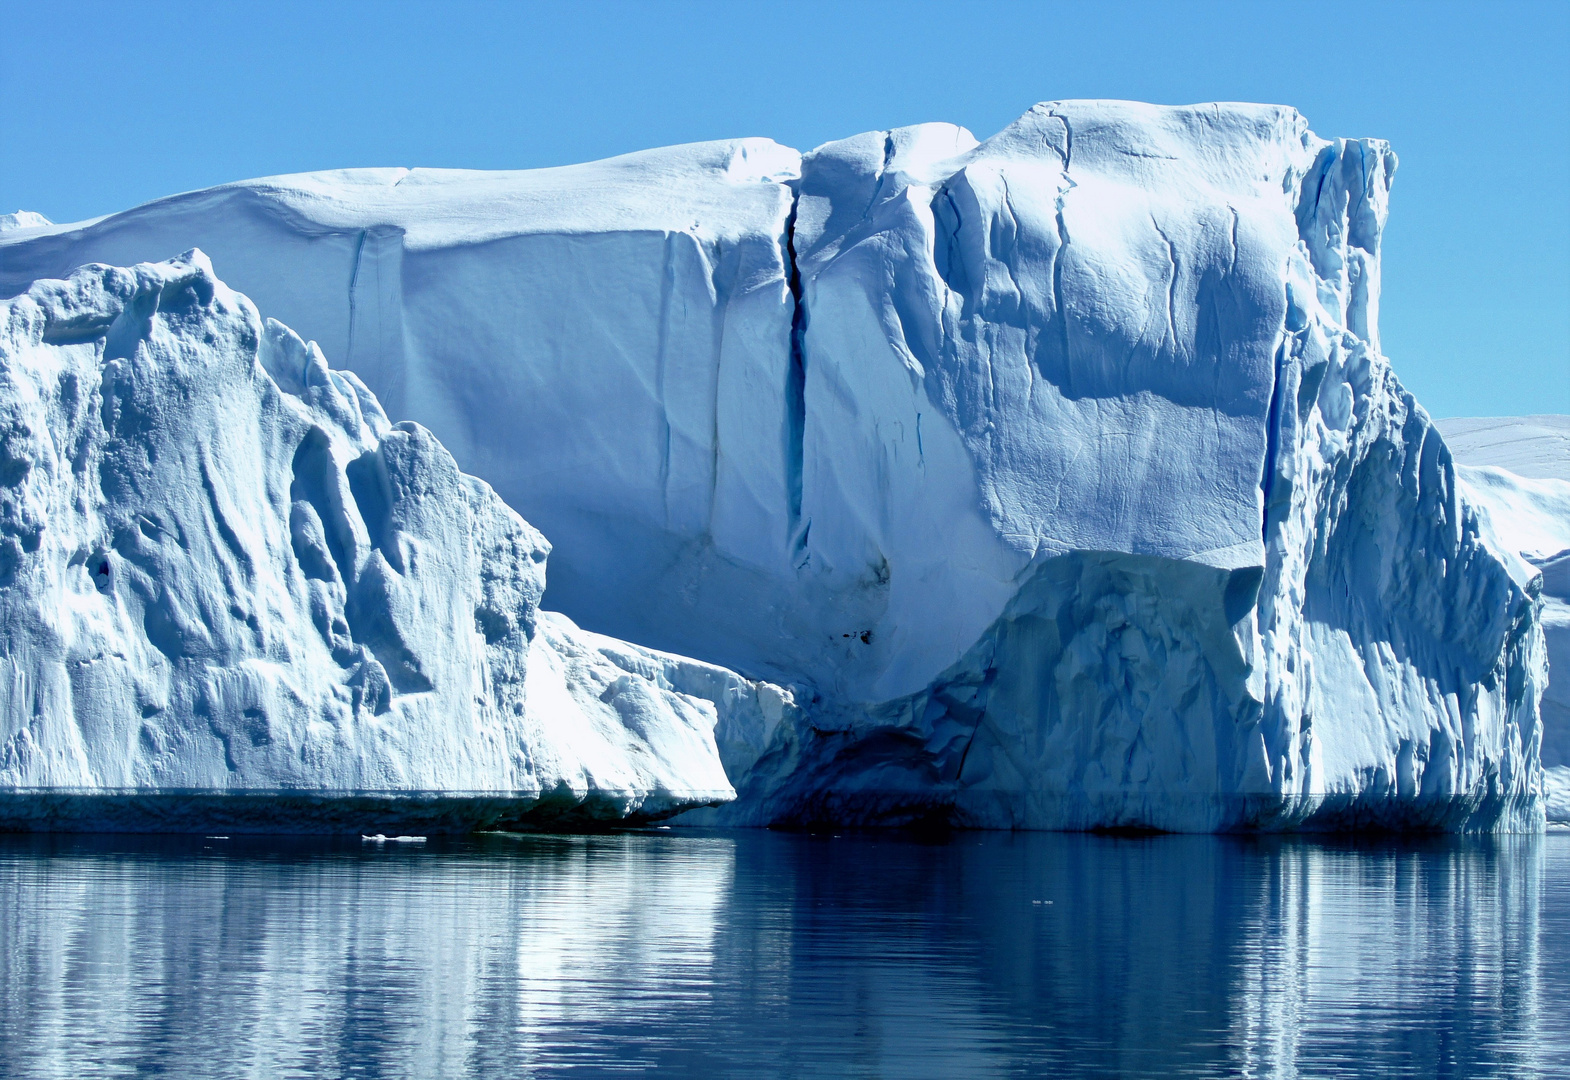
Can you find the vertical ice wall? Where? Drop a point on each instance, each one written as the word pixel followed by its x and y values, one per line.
pixel 1402 654
pixel 1138 349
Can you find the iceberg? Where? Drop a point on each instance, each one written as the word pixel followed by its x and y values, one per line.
pixel 22 219
pixel 1517 469
pixel 1059 475
pixel 232 593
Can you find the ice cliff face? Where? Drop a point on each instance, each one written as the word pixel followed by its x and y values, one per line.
pixel 232 593
pixel 1517 469
pixel 1244 590
pixel 1061 473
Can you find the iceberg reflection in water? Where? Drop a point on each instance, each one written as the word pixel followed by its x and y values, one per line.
pixel 763 954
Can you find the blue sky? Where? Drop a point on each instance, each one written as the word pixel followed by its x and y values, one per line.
pixel 103 106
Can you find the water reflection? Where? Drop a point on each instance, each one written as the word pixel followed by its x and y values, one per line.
pixel 763 954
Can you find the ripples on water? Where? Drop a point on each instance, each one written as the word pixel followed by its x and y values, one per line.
pixel 763 954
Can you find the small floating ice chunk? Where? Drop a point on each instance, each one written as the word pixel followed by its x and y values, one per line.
pixel 381 839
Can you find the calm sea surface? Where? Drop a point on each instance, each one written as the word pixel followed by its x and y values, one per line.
pixel 776 955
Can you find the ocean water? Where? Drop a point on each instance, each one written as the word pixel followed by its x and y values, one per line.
pixel 762 954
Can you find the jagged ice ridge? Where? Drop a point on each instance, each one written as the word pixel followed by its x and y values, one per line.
pixel 233 594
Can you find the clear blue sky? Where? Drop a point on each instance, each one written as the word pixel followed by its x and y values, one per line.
pixel 105 105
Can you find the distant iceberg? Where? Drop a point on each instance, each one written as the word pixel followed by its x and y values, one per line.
pixel 1060 476
pixel 1517 468
pixel 22 219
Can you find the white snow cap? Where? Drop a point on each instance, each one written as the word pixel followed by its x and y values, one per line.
pixel 22 219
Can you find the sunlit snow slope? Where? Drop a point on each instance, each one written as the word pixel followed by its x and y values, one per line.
pixel 1061 473
pixel 233 594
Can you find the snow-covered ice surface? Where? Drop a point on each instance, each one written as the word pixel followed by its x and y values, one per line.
pixel 1518 469
pixel 233 594
pixel 1536 447
pixel 1061 473
pixel 22 219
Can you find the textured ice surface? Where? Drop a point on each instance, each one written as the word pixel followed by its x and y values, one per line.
pixel 232 593
pixel 1061 473
pixel 1518 469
